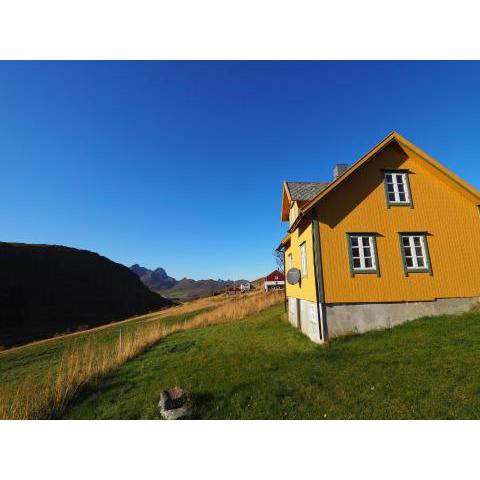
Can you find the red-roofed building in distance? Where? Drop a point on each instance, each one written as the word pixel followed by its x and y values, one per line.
pixel 274 281
pixel 233 290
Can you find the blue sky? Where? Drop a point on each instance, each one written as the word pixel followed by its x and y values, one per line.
pixel 180 164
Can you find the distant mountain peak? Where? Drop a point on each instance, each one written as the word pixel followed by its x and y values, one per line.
pixel 159 281
pixel 154 279
pixel 139 270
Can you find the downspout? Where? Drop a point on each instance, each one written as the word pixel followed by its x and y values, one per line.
pixel 317 265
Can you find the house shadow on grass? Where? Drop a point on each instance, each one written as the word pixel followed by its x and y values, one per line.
pixel 200 401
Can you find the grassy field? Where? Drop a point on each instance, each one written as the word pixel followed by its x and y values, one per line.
pixel 31 372
pixel 37 358
pixel 41 379
pixel 262 368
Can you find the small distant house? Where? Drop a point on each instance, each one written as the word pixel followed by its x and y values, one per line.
pixel 233 290
pixel 394 237
pixel 246 287
pixel 274 281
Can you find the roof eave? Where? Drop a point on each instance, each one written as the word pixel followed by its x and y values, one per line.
pixel 469 189
pixel 283 243
pixel 285 192
pixel 382 144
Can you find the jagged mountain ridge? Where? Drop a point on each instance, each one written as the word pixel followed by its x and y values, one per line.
pixel 156 279
pixel 159 281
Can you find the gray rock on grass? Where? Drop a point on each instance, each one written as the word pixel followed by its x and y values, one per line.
pixel 174 403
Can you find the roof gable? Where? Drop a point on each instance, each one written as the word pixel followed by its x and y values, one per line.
pixel 409 148
pixel 299 192
pixel 276 275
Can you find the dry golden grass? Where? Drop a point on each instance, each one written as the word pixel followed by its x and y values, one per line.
pixel 238 308
pixel 85 364
pixel 180 309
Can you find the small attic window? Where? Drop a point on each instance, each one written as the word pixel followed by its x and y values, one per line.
pixel 397 188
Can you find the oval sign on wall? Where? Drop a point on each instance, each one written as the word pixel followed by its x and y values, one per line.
pixel 293 276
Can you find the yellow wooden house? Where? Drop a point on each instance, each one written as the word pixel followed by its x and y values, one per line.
pixel 394 237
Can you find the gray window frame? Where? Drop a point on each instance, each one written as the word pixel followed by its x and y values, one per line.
pixel 409 270
pixel 304 257
pixel 389 203
pixel 356 271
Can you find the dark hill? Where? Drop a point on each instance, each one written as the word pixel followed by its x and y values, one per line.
pixel 48 289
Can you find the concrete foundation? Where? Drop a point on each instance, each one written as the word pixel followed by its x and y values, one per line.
pixel 351 318
pixel 303 314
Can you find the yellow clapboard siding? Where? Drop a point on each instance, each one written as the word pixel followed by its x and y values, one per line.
pixel 306 289
pixel 358 205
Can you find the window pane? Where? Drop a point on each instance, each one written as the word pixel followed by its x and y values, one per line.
pixel 414 251
pixel 362 254
pixel 397 188
pixel 303 259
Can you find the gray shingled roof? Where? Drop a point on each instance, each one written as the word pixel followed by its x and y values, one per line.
pixel 305 190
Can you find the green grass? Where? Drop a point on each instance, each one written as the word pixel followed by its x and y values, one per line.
pixel 36 359
pixel 262 368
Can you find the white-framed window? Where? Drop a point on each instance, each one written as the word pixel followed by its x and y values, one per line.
pixel 362 253
pixel 414 252
pixel 292 213
pixel 396 188
pixel 303 259
pixel 290 261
